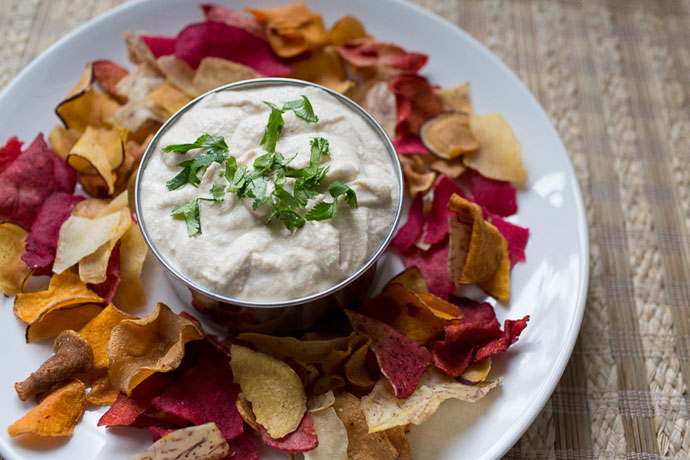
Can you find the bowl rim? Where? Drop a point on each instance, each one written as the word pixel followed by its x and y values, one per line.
pixel 262 82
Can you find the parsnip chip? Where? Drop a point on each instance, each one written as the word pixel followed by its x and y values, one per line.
pixel 156 343
pixel 140 115
pixel 133 250
pixel 476 247
pixel 332 436
pixel 305 351
pixel 477 372
pixel 61 319
pixel 102 392
pixel 62 140
pixel 498 156
pixel 417 179
pixel 80 237
pixel 93 267
pixel 345 29
pixel 203 442
pixel 214 72
pixel 179 73
pixel 56 415
pixel 319 402
pixel 324 67
pixel 448 135
pixel 97 332
pixel 274 389
pixel 169 97
pixel 456 98
pixel 13 270
pixel 64 289
pixel 384 411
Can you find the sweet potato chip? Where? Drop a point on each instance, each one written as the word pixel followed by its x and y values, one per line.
pixel 101 393
pixel 499 154
pixel 97 333
pixel 305 351
pixel 274 389
pixel 56 415
pixel 292 29
pixel 416 102
pixel 411 278
pixel 417 180
pixel 456 98
pixel 301 440
pixel 31 178
pixel 169 97
pixel 13 270
pixel 61 319
pixel 323 67
pixel 64 289
pixel 108 74
pixel 498 285
pixel 156 343
pixel 93 268
pixel 369 52
pixel 345 29
pixel 219 13
pixel 332 437
pixel 99 151
pixel 379 101
pixel 9 152
pixel 126 409
pixel 203 442
pixel 84 107
pixel 62 140
pixel 130 293
pixel 384 411
pixel 402 360
pixel 408 233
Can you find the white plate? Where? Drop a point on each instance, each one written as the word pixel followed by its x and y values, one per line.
pixel 551 286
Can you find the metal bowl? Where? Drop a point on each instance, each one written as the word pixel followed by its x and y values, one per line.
pixel 290 314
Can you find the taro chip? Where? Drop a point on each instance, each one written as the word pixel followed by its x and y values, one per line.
pixel 332 437
pixel 433 265
pixel 99 151
pixel 205 393
pixel 9 152
pixel 379 101
pixel 133 250
pixel 203 442
pixel 409 145
pixel 301 440
pixel 407 234
pixel 457 98
pixel 384 411
pixel 219 13
pixel 41 244
pixel 31 178
pixel 292 29
pixel 305 351
pixel 495 196
pixel 70 317
pixel 107 288
pixel 97 333
pixel 159 45
pixel 126 409
pixel 499 155
pixel 402 360
pixel 345 29
pixel 13 271
pixel 214 72
pixel 323 66
pixel 64 290
pixel 516 236
pixel 369 52
pixel 273 388
pixel 56 415
pixel 216 39
pixel 156 343
pixel 416 103
pixel 417 180
pixel 108 74
pixel 436 227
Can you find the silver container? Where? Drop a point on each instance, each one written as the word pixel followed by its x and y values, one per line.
pixel 303 313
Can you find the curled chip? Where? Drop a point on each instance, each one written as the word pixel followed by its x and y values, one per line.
pixel 130 293
pixel 356 371
pixel 369 52
pixel 436 227
pixel 498 285
pixel 68 317
pixel 156 343
pixel 345 29
pixel 274 389
pixel 411 278
pixel 384 411
pixel 93 268
pixel 56 415
pixel 13 271
pixel 291 29
pixel 379 101
pixel 416 102
pixel 332 437
pixel 402 360
pixel 99 151
pixel 448 135
pixel 305 351
pixel 107 288
pixel 476 247
pixel 516 236
pixel 62 140
pixel 301 440
pixel 499 154
pixel 476 373
pixel 214 12
pixel 324 67
pixel 97 333
pixel 140 115
pixel 64 290
pixel 170 97
pixel 203 442
pixel 417 179
pixel 457 98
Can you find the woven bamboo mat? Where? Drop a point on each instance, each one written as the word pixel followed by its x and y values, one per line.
pixel 614 76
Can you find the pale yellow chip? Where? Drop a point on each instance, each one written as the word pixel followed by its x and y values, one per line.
pixel 214 72
pixel 332 436
pixel 477 372
pixel 274 389
pixel 417 179
pixel 179 73
pixel 62 140
pixel 499 155
pixel 56 415
pixel 306 351
pixel 202 442
pixel 139 52
pixel 345 29
pixel 80 237
pixel 323 67
pixel 13 270
pixel 140 347
pixel 97 333
pixel 448 135
pixel 456 98
pixel 384 411
pixel 318 402
pixel 170 97
pixel 93 267
pixel 133 250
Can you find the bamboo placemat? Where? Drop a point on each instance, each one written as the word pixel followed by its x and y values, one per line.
pixel 614 76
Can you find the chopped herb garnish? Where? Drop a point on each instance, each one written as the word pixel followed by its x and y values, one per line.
pixel 302 108
pixel 273 128
pixel 215 150
pixel 190 213
pixel 218 192
pixel 325 210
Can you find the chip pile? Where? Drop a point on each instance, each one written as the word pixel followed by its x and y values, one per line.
pixel 351 395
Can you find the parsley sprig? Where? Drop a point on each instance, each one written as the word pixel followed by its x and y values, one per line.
pixel 272 167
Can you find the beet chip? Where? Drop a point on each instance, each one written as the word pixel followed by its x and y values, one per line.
pixel 31 178
pixel 216 39
pixel 409 145
pixel 158 432
pixel 495 196
pixel 242 448
pixel 107 288
pixel 41 243
pixel 408 233
pixel 205 393
pixel 475 338
pixel 402 360
pixel 416 102
pixel 301 440
pixel 8 152
pixel 108 74
pixel 159 45
pixel 516 236
pixel 126 409
pixel 437 221
pixel 433 264
pixel 369 52
pixel 219 13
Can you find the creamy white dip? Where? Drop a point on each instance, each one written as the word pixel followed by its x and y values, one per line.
pixel 236 255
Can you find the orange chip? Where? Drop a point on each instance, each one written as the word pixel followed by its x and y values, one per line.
pixel 169 97
pixel 411 278
pixel 139 348
pixel 345 29
pixel 56 415
pixel 133 250
pixel 417 179
pixel 13 270
pixel 62 140
pixel 292 29
pixel 498 285
pixel 102 393
pixel 64 290
pixel 61 319
pixel 323 67
pixel 97 333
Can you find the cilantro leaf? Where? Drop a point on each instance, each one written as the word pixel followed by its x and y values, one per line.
pixel 322 211
pixel 302 108
pixel 273 128
pixel 337 189
pixel 203 141
pixel 183 178
pixel 218 192
pixel 290 218
pixel 238 181
pixel 319 146
pixel 287 199
pixel 190 213
pixel 216 151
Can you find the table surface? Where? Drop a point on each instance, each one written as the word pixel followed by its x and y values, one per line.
pixel 614 76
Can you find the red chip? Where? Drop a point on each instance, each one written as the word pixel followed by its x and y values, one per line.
pixel 8 152
pixel 416 102
pixel 301 440
pixel 369 52
pixel 216 39
pixel 159 45
pixel 409 145
pixel 433 264
pixel 205 393
pixel 126 409
pixel 495 196
pixel 242 448
pixel 408 233
pixel 41 243
pixel 511 332
pixel 32 177
pixel 107 288
pixel 401 359
pixel 516 236
pixel 158 432
pixel 108 75
pixel 436 227
pixel 219 13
